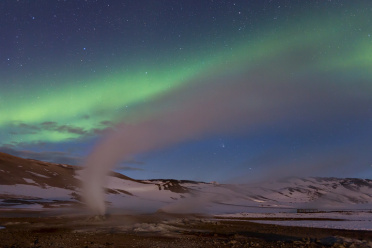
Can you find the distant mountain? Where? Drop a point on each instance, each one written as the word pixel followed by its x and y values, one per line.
pixel 32 184
pixel 316 192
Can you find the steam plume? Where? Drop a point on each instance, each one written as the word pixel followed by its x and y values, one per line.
pixel 220 103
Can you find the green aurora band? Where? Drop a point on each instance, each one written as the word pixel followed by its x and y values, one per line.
pixel 86 103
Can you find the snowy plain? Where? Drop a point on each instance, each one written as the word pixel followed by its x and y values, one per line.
pixel 350 220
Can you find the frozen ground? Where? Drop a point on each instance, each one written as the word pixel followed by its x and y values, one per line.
pixel 348 220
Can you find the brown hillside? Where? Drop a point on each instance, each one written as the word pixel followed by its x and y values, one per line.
pixel 14 170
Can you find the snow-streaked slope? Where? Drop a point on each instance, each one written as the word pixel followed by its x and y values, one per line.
pixel 25 182
pixel 311 192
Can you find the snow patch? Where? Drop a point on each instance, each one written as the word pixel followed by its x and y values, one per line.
pixel 36 191
pixel 157 227
pixel 28 180
pixel 36 174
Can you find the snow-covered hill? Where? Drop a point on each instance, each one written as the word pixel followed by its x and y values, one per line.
pixel 26 183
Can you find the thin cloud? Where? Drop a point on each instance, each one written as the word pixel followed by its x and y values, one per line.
pixel 70 129
pixel 107 123
pixel 49 124
pixel 24 128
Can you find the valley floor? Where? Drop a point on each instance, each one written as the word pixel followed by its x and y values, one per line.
pixel 41 229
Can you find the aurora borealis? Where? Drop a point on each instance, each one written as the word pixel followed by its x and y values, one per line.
pixel 285 87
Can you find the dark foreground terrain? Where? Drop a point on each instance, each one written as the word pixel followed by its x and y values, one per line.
pixel 162 230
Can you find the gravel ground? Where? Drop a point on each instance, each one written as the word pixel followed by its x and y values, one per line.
pixel 164 230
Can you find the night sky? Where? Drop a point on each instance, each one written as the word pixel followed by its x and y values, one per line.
pixel 263 88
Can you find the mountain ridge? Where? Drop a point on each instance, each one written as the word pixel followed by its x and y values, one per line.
pixel 32 183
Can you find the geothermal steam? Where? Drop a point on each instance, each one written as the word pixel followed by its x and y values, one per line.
pixel 202 108
pixel 217 103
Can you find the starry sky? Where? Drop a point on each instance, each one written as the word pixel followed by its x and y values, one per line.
pixel 263 88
